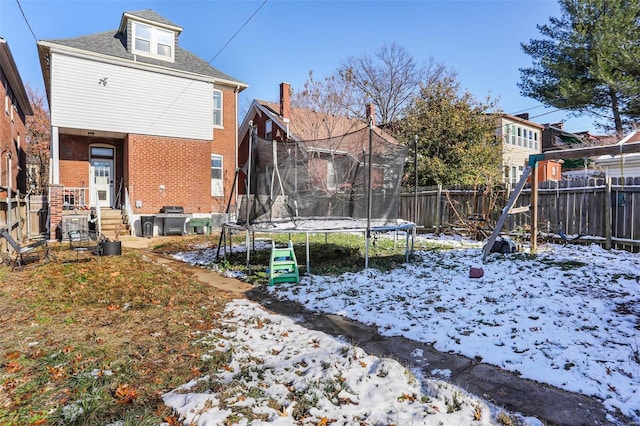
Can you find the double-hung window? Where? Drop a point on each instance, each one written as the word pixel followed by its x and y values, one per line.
pixel 152 41
pixel 217 108
pixel 217 187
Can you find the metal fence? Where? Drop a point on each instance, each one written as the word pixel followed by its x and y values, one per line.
pixel 588 209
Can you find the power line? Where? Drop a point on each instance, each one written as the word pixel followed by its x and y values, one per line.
pixel 238 31
pixel 27 21
pixel 209 63
pixel 527 109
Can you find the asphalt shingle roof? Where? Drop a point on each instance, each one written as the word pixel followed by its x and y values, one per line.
pixel 113 43
pixel 152 16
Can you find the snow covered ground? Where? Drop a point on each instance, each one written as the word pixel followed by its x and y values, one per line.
pixel 568 316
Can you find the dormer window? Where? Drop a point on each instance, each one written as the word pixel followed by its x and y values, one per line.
pixel 152 41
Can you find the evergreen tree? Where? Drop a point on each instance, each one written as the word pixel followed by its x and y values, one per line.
pixel 589 61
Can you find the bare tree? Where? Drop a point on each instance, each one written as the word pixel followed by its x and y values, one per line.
pixel 37 149
pixel 389 79
pixel 321 108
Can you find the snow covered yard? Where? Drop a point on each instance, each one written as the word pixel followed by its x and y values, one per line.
pixel 568 316
pixel 277 372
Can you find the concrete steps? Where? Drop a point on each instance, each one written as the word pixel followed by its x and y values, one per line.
pixel 113 222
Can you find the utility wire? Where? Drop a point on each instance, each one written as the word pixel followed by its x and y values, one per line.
pixel 27 21
pixel 237 32
pixel 528 109
pixel 209 63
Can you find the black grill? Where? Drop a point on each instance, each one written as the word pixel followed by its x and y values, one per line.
pixel 173 219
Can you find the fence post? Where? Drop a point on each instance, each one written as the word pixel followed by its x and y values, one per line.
pixel 607 213
pixel 438 208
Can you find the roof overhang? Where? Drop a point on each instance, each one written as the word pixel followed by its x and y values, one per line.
pixel 47 48
pixel 12 74
pixel 126 16
pixel 259 109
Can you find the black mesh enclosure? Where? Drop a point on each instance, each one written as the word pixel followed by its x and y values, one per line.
pixel 325 178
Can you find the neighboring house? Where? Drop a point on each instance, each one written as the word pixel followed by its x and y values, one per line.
pixel 13 133
pixel 331 154
pixel 520 138
pixel 138 121
pixel 554 137
pixel 627 165
pixel 280 122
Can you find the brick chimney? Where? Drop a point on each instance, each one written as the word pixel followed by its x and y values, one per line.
pixel 285 100
pixel 371 113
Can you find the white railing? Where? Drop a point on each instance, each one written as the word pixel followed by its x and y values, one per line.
pixel 75 198
pixel 128 211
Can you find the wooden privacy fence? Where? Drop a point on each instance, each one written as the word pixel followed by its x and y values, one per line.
pixel 24 216
pixel 588 209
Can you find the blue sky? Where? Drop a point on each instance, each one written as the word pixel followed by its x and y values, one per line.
pixel 480 39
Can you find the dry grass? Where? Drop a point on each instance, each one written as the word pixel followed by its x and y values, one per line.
pixel 104 338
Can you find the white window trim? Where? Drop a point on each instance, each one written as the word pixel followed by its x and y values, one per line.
pixel 217 185
pixel 153 43
pixel 268 130
pixel 221 125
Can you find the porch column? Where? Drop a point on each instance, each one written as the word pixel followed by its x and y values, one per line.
pixel 55 208
pixel 54 157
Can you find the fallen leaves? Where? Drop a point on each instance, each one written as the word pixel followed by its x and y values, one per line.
pixel 407 397
pixel 12 355
pixel 56 373
pixel 13 367
pixel 125 394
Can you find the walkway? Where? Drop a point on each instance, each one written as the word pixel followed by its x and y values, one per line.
pixel 504 389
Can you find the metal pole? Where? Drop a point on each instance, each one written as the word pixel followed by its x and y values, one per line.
pixel 248 237
pixel 368 236
pixel 534 207
pixel 607 213
pixel 415 176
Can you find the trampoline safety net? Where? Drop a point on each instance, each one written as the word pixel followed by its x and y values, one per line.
pixel 325 178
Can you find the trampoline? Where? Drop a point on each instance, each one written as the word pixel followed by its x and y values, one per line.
pixel 342 184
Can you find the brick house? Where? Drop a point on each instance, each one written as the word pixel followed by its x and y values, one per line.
pixel 280 122
pixel 13 133
pixel 322 162
pixel 138 123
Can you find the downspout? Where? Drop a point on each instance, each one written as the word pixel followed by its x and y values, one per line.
pixel 9 215
pixel 235 191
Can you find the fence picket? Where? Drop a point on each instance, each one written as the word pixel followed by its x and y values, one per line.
pixel 575 207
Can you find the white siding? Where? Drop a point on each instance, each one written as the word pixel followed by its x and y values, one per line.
pixel 132 101
pixel 630 167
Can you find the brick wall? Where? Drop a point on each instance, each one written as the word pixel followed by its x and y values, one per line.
pixel 75 155
pixel 224 143
pixel 10 132
pixel 168 172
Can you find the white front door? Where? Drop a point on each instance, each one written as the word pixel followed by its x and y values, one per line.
pixel 102 180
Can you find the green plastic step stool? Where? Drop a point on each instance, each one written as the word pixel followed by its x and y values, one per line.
pixel 283 267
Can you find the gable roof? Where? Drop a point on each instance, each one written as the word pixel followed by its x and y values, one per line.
pixel 114 44
pixel 151 16
pixel 614 160
pixel 10 70
pixel 306 125
pixel 518 119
